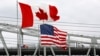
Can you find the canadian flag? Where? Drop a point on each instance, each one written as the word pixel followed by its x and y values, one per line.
pixel 45 12
pixel 49 12
pixel 27 15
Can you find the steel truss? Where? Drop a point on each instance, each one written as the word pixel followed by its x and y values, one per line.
pixel 29 31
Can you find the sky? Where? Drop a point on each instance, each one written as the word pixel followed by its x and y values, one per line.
pixel 76 16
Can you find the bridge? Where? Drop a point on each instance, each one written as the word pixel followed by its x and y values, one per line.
pixel 75 47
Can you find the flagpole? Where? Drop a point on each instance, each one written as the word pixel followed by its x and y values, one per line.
pixel 69 50
pixel 39 41
pixel 44 46
pixel 18 33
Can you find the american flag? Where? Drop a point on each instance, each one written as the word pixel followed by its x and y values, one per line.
pixel 50 35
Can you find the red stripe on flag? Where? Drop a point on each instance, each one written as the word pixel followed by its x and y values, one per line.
pixel 58 38
pixel 27 15
pixel 59 41
pixel 46 44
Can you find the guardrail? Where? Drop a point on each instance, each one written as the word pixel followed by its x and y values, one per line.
pixel 35 32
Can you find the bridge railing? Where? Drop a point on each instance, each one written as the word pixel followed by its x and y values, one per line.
pixel 34 32
pixel 92 44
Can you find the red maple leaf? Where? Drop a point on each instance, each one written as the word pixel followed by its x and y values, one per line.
pixel 42 15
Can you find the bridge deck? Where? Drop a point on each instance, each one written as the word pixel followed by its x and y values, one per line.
pixel 74 51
